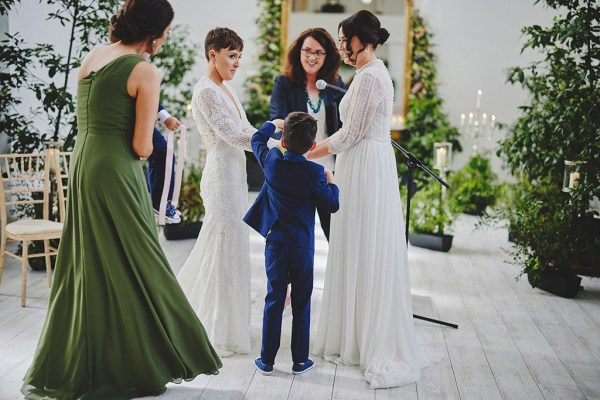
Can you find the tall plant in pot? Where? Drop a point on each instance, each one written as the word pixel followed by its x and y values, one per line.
pixel 191 207
pixel 560 122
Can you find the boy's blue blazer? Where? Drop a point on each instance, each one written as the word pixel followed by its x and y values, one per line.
pixel 285 207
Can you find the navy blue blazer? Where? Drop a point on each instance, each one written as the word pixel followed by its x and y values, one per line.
pixel 285 207
pixel 288 97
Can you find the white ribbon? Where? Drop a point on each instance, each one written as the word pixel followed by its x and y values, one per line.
pixel 162 211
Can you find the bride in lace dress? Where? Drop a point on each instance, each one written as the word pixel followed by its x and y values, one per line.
pixel 216 275
pixel 366 313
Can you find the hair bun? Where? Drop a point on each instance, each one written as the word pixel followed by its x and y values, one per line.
pixel 116 28
pixel 383 35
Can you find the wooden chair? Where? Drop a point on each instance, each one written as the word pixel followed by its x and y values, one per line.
pixel 26 178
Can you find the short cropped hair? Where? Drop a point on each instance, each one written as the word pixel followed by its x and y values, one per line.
pixel 222 38
pixel 299 132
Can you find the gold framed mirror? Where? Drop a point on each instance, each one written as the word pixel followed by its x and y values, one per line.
pixel 401 70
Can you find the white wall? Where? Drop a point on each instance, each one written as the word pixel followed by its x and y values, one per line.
pixel 239 15
pixel 476 42
pixel 196 15
pixel 29 19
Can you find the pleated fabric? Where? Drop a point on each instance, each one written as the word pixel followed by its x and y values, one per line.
pixel 118 324
pixel 366 314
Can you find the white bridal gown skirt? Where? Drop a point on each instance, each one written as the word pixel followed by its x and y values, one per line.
pixel 366 314
pixel 216 276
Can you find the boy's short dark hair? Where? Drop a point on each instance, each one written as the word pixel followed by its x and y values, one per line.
pixel 222 38
pixel 299 132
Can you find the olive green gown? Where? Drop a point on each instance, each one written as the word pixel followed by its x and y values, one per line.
pixel 118 324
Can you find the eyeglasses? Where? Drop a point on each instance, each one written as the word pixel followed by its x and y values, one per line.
pixel 318 54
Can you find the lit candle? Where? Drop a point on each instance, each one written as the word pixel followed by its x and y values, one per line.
pixel 493 122
pixel 462 121
pixel 441 157
pixel 573 180
pixel 478 105
pixel 470 119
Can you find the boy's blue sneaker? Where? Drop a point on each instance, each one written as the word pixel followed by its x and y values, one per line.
pixel 300 368
pixel 172 215
pixel 265 369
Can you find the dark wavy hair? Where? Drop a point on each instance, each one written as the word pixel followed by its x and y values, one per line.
pixel 366 26
pixel 139 20
pixel 299 132
pixel 222 38
pixel 329 70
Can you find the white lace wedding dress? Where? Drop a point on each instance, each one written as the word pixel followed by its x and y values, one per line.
pixel 216 275
pixel 366 314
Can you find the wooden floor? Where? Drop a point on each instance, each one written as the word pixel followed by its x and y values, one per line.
pixel 513 342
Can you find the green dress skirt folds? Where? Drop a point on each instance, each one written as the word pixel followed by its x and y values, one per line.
pixel 118 324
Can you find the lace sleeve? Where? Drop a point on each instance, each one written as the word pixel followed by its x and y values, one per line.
pixel 364 98
pixel 211 106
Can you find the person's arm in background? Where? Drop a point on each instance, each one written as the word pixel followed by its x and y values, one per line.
pixel 167 119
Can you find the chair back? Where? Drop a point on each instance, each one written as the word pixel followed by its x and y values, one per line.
pixel 60 167
pixel 25 183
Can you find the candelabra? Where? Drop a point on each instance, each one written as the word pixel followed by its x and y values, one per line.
pixel 477 124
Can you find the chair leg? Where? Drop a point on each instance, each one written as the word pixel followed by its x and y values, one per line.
pixel 24 265
pixel 2 250
pixel 48 263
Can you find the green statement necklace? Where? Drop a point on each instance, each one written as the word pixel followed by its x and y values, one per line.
pixel 310 103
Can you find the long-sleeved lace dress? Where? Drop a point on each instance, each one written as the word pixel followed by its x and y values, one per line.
pixel 366 314
pixel 216 275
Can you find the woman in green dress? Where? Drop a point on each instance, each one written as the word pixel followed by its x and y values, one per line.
pixel 118 324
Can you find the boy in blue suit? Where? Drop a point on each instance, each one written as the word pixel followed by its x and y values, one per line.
pixel 284 213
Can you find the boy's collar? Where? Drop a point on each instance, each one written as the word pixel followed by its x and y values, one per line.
pixel 293 155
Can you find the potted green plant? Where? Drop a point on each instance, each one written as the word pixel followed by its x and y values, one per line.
pixel 473 187
pixel 553 265
pixel 431 219
pixel 191 207
pixel 556 232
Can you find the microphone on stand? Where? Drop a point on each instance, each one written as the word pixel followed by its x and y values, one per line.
pixel 321 84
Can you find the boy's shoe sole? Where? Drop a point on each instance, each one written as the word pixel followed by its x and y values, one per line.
pixel 169 220
pixel 262 368
pixel 300 368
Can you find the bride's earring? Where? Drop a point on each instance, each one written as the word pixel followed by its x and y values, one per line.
pixel 153 44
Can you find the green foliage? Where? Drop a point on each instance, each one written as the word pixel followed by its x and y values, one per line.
pixel 426 121
pixel 260 86
pixel 560 122
pixel 175 61
pixel 430 212
pixel 87 22
pixel 549 236
pixel 15 59
pixel 190 202
pixel 473 186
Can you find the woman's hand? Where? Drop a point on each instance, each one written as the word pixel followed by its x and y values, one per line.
pixel 278 124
